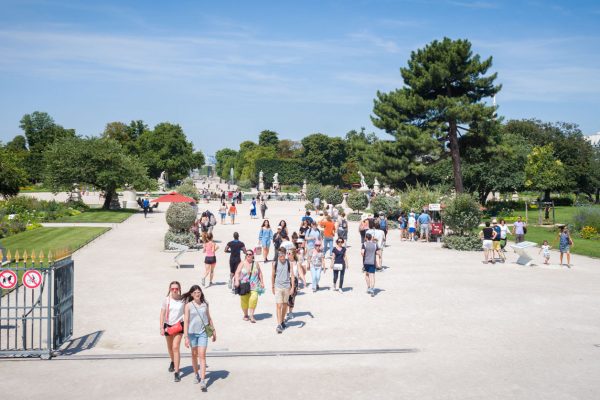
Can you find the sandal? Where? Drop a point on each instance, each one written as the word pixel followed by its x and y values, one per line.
pixel 246 318
pixel 252 320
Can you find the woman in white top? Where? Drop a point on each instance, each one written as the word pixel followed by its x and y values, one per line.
pixel 196 318
pixel 171 320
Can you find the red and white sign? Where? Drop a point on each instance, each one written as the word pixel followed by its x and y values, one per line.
pixel 32 279
pixel 8 279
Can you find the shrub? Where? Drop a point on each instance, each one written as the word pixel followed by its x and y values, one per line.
pixel 245 185
pixel 78 205
pixel 185 238
pixel 388 205
pixel 180 216
pixel 354 217
pixel 470 242
pixel 588 232
pixel 332 195
pixel 313 191
pixel 462 214
pixel 416 197
pixel 587 216
pixel 290 171
pixel 309 206
pixel 291 188
pixel 188 190
pixel 357 200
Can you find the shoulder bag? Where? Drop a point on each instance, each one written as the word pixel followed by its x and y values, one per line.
pixel 172 330
pixel 208 329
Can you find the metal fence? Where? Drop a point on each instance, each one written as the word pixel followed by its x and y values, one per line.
pixel 36 305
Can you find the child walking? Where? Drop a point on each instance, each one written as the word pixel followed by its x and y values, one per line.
pixel 545 250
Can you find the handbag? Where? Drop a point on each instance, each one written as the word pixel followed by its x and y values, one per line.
pixel 244 288
pixel 172 329
pixel 257 250
pixel 208 329
pixel 338 267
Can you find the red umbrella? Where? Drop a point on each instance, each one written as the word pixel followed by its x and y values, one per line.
pixel 173 197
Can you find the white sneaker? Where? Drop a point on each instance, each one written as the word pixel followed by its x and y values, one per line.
pixel 203 384
pixel 197 379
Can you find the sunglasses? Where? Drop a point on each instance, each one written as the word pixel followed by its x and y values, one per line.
pixel 249 255
pixel 175 289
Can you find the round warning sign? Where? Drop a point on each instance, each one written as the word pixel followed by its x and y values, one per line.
pixel 8 279
pixel 32 279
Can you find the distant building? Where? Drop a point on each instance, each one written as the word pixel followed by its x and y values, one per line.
pixel 594 139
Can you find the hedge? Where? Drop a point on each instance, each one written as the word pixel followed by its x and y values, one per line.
pixel 291 172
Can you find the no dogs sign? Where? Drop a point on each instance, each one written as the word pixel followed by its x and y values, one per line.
pixel 8 279
pixel 32 279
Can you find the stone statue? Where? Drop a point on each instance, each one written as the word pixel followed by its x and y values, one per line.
pixel 363 183
pixel 304 186
pixel 276 182
pixel 261 182
pixel 162 181
pixel 376 186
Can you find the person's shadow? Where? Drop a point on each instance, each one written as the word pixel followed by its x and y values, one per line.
pixel 213 376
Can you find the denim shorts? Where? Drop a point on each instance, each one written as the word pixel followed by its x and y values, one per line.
pixel 198 339
pixel 369 268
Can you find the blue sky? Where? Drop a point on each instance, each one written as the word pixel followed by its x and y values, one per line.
pixel 226 70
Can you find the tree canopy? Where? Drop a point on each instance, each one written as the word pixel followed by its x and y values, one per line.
pixel 100 162
pixel 444 85
pixel 166 148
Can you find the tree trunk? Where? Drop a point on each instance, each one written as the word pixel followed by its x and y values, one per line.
pixel 546 195
pixel 597 195
pixel 455 153
pixel 109 193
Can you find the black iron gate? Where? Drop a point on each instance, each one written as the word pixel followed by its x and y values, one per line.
pixel 36 315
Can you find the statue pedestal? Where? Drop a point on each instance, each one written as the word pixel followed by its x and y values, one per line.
pixel 261 186
pixel 130 199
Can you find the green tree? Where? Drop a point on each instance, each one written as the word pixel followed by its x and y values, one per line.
pixel 166 148
pixel 12 174
pixel 543 171
pixel 444 86
pixel 249 172
pixel 287 148
pixel 99 162
pixel 359 146
pixel 41 131
pixel 357 200
pixel 225 161
pixel 570 147
pixel 18 144
pixel 240 161
pixel 323 157
pixel 268 138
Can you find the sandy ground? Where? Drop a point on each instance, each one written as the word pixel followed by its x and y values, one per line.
pixel 476 331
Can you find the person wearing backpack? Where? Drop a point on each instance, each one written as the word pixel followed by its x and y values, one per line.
pixel 383 223
pixel 282 287
pixel 342 228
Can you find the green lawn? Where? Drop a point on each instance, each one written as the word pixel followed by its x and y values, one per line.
pixel 564 215
pixel 100 215
pixel 52 239
pixel 585 247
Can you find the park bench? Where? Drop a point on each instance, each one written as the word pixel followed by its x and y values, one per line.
pixel 523 250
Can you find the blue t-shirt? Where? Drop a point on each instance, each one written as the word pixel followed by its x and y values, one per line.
pixel 424 218
pixel 307 218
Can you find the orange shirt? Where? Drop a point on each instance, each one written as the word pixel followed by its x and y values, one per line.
pixel 328 228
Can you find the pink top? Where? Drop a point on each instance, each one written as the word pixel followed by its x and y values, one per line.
pixel 209 249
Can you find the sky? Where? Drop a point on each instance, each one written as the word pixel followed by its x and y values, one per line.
pixel 226 70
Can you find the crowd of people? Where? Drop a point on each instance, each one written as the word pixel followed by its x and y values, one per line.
pixel 294 261
pixel 287 257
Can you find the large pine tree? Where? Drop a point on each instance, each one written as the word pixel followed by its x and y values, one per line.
pixel 444 85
